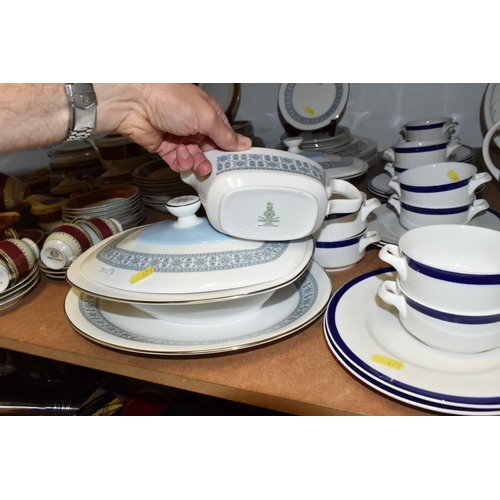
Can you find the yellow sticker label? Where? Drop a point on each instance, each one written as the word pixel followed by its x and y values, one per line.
pixel 453 175
pixel 309 111
pixel 148 271
pixel 391 363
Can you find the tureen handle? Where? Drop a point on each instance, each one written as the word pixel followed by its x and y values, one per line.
pixel 185 208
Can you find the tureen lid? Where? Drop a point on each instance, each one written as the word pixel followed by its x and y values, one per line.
pixel 188 256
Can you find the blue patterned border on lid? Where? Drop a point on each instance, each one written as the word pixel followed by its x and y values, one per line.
pixel 189 262
pixel 258 161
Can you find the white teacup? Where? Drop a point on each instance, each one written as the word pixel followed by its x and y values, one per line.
pixel 99 228
pixel 429 129
pixel 413 216
pixel 64 245
pixel 449 331
pixel 439 185
pixel 341 226
pixel 449 267
pixel 267 194
pixel 343 254
pixel 411 154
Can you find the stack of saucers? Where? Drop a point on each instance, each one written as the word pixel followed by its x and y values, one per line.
pixel 180 287
pixel 17 291
pixel 120 203
pixel 158 183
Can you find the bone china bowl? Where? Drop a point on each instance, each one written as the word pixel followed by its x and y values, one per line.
pixel 455 332
pixel 439 185
pixel 411 154
pixel 412 216
pixel 453 268
pixel 429 129
pixel 269 195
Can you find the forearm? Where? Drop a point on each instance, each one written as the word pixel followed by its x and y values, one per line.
pixel 32 115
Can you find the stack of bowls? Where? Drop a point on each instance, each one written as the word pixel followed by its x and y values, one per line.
pixel 342 239
pixel 158 184
pixel 447 287
pixel 438 193
pixel 120 203
pixel 19 272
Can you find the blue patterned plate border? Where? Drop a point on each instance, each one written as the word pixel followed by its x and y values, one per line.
pixel 312 290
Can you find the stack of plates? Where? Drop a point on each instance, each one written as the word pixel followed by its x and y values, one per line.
pixel 120 203
pixel 342 143
pixel 368 339
pixel 184 288
pixel 16 292
pixel 158 184
pixel 246 128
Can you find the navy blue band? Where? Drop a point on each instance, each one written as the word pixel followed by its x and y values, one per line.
pixel 425 127
pixel 441 274
pixel 435 211
pixel 421 149
pixel 436 189
pixel 340 243
pixel 451 317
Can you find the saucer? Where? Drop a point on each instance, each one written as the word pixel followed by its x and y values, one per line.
pixel 385 220
pixel 369 334
pixel 126 328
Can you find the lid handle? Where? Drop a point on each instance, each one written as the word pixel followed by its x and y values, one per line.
pixel 185 208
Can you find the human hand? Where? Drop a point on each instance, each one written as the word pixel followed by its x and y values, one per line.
pixel 178 121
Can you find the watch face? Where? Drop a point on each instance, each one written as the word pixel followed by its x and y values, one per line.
pixel 312 106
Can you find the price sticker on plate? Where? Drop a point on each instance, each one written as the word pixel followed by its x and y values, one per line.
pixel 148 271
pixel 309 110
pixel 391 363
pixel 453 175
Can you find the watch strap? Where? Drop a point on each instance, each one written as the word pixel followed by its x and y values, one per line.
pixel 82 100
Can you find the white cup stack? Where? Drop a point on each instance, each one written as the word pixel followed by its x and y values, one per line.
pixel 342 239
pixel 447 286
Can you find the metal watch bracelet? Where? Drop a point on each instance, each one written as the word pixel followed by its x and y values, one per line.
pixel 82 100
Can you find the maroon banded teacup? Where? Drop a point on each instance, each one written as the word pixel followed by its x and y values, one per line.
pixel 18 257
pixel 99 228
pixel 64 245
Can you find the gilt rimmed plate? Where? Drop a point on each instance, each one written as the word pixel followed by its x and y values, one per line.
pixel 123 327
pixel 311 106
pixel 370 335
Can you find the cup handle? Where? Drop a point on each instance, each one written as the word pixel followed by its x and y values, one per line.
pixel 389 168
pixel 476 208
pixel 395 202
pixel 448 126
pixel 12 233
pixel 486 151
pixel 388 292
pixel 390 153
pixel 395 185
pixel 478 180
pixel 369 238
pixel 350 204
pixel 392 255
pixel 452 145
pixel 369 206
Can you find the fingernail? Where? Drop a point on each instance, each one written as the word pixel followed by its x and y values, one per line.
pixel 244 141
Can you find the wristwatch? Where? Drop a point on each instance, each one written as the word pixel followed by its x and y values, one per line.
pixel 81 97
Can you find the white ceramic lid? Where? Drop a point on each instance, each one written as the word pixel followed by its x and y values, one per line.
pixel 186 257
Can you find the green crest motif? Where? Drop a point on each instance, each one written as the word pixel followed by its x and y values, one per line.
pixel 269 219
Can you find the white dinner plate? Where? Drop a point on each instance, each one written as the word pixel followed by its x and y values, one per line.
pixel 121 326
pixel 369 334
pixel 228 95
pixel 491 108
pixel 401 396
pixel 336 166
pixel 312 106
pixel 385 220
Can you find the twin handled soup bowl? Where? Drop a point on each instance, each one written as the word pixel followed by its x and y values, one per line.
pixel 270 195
pixel 429 129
